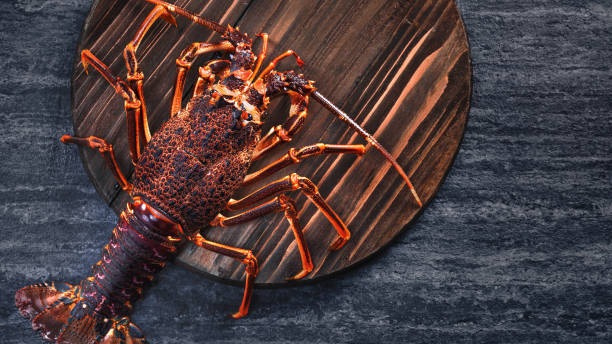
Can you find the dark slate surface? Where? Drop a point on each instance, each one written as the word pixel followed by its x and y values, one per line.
pixel 515 248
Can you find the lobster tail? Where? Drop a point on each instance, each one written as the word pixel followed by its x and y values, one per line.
pixel 33 299
pixel 49 306
pixel 60 315
pixel 96 310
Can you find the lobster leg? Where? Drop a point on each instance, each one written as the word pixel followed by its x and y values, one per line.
pixel 278 204
pixel 140 132
pixel 296 156
pixel 246 257
pixel 261 56
pixel 272 64
pixel 296 182
pixel 131 102
pixel 106 150
pixel 184 62
pixel 285 131
pixel 208 73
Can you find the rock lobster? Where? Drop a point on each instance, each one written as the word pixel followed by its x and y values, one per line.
pixel 184 177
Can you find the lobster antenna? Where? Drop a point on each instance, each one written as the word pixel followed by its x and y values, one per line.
pixel 351 123
pixel 190 15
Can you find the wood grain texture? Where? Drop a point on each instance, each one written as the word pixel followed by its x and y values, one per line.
pixel 401 69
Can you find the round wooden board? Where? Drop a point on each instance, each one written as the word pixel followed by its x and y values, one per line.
pixel 400 68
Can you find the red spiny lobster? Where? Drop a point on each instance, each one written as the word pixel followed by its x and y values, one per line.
pixel 185 175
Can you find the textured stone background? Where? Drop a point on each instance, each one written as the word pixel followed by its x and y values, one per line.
pixel 515 248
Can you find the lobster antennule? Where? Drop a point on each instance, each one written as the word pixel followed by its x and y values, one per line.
pixel 191 16
pixel 351 123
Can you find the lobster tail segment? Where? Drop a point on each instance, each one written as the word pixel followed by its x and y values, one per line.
pixel 33 299
pixel 60 315
pixel 49 306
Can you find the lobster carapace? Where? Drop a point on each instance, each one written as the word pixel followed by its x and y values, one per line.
pixel 184 177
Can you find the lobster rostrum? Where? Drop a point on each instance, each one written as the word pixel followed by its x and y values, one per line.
pixel 184 177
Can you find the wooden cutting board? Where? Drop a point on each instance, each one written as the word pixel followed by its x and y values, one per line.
pixel 400 68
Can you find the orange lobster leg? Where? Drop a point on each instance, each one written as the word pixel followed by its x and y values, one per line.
pixel 135 76
pixel 184 62
pixel 277 59
pixel 284 132
pixel 246 257
pixel 296 182
pixel 106 150
pixel 261 56
pixel 278 204
pixel 208 74
pixel 296 156
pixel 131 102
